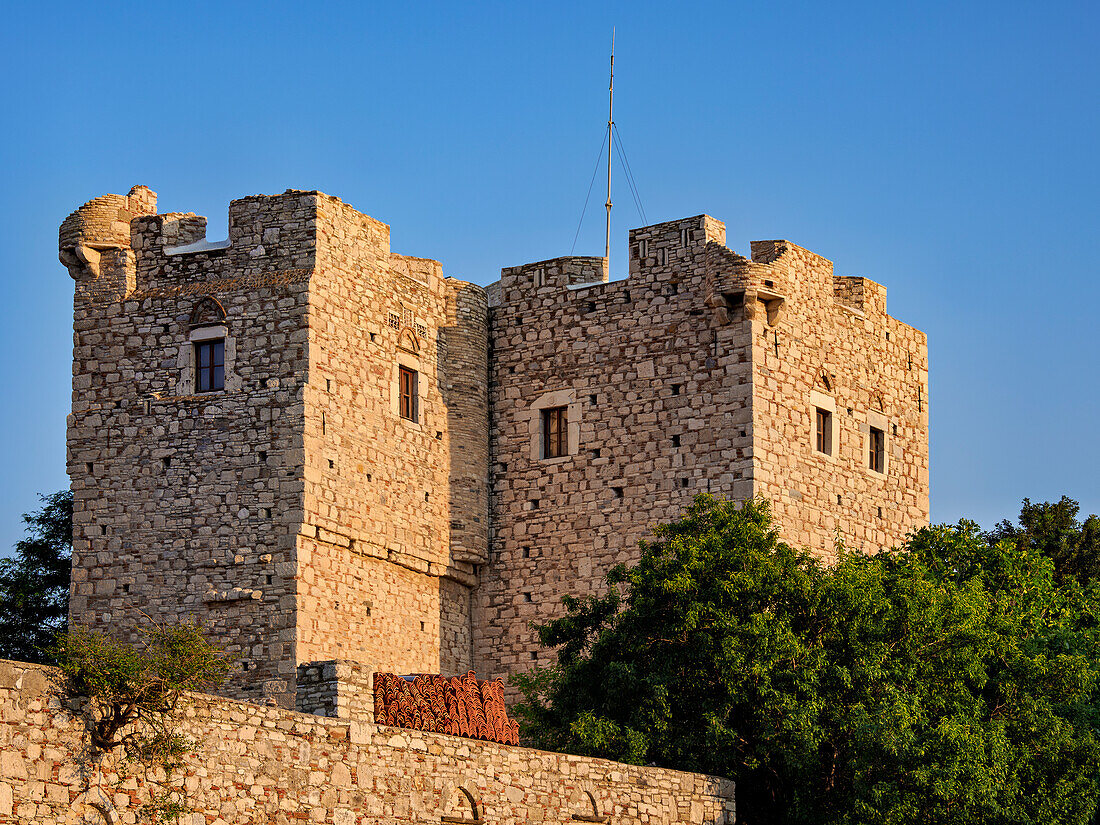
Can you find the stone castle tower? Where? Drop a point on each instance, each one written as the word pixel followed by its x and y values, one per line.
pixel 320 449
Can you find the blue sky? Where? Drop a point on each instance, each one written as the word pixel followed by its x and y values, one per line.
pixel 947 150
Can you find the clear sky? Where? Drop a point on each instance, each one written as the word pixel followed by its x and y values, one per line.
pixel 945 149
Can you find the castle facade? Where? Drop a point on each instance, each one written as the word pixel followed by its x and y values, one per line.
pixel 321 449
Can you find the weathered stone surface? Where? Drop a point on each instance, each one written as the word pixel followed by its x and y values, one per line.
pixel 319 535
pixel 261 764
pixel 700 373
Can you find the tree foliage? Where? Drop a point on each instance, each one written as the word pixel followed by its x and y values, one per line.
pixel 34 584
pixel 130 698
pixel 1052 529
pixel 954 681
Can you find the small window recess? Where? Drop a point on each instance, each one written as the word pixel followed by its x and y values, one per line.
pixel 684 482
pixel 594 453
pixel 643 249
pixel 685 237
pixel 823 431
pixel 676 388
pixel 210 365
pixel 675 441
pixel 662 256
pixel 555 432
pixel 593 400
pixel 876 450
pixel 540 277
pixel 408 405
pixel 617 492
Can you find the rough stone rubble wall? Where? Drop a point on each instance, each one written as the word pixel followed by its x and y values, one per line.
pixel 699 373
pixel 657 395
pixel 300 518
pixel 396 511
pixel 259 764
pixel 831 342
pixel 294 514
pixel 339 689
pixel 186 506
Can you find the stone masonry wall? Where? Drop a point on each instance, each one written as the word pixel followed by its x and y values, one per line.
pixel 301 518
pixel 339 689
pixel 294 513
pixel 257 765
pixel 186 506
pixel 396 510
pixel 845 354
pixel 701 372
pixel 658 398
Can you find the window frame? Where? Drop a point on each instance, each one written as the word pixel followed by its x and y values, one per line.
pixel 555 432
pixel 823 431
pixel 408 393
pixel 210 371
pixel 876 449
pixel 822 402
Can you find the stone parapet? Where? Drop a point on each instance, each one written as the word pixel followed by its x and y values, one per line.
pixel 258 764
pixel 337 689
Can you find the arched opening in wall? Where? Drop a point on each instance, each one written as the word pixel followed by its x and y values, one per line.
pixel 589 810
pixel 207 312
pixel 206 359
pixel 462 808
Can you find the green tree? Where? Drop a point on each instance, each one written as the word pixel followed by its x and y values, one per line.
pixel 951 682
pixel 1052 528
pixel 130 701
pixel 34 584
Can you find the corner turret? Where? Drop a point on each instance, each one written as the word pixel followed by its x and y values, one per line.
pixel 94 243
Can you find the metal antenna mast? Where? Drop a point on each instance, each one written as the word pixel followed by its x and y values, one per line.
pixel 610 127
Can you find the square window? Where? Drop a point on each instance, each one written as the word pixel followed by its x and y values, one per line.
pixel 824 440
pixel 554 433
pixel 210 365
pixel 876 442
pixel 409 401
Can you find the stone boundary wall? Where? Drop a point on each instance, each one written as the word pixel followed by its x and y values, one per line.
pixel 259 764
pixel 337 688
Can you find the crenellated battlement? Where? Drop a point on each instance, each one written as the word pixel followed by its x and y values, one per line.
pixel 402 468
